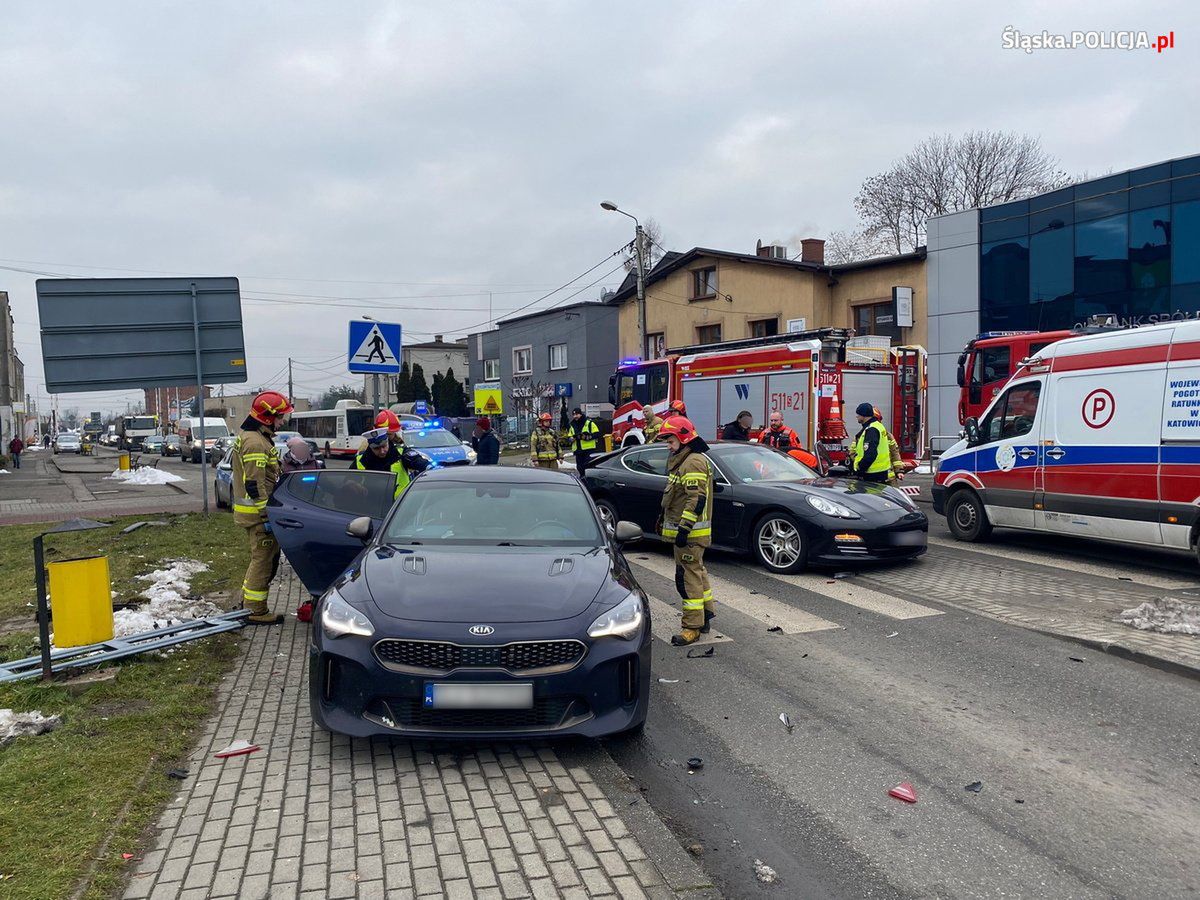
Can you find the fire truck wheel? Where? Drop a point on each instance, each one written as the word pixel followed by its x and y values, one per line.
pixel 779 544
pixel 966 517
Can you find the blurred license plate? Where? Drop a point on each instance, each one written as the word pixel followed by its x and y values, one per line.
pixel 478 696
pixel 909 539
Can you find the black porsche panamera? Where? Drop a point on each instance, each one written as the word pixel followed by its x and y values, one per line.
pixel 770 506
pixel 485 602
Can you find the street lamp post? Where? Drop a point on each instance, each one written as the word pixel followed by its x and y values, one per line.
pixel 638 239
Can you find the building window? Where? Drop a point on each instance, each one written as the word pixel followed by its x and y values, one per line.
pixel 491 370
pixel 558 356
pixel 708 334
pixel 656 345
pixel 761 328
pixel 1102 256
pixel 1186 262
pixel 1150 248
pixel 522 360
pixel 704 283
pixel 878 319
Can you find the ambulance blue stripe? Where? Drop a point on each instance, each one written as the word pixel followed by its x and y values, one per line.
pixel 984 460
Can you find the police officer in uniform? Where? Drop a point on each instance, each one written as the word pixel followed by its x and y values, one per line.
pixel 383 454
pixel 544 450
pixel 687 508
pixel 255 471
pixel 585 435
pixel 870 458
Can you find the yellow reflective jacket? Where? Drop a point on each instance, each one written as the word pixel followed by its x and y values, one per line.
pixel 870 454
pixel 688 498
pixel 255 471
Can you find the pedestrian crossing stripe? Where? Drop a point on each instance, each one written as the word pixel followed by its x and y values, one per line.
pixel 846 591
pixel 665 621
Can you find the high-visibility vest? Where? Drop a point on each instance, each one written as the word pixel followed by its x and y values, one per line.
pixel 883 456
pixel 587 437
pixel 397 468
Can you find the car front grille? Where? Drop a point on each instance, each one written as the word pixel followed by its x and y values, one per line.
pixel 439 657
pixel 546 714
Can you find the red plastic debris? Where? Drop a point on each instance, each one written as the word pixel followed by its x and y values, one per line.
pixel 237 748
pixel 126 856
pixel 904 791
pixel 304 612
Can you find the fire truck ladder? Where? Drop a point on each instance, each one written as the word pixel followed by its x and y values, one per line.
pixel 824 335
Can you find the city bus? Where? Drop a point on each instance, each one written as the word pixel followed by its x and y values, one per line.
pixel 337 431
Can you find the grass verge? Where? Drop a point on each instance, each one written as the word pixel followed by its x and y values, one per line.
pixel 98 782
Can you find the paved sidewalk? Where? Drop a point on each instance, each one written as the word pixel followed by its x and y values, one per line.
pixel 315 815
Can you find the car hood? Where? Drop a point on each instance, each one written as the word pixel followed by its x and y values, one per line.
pixel 444 454
pixel 860 496
pixel 484 585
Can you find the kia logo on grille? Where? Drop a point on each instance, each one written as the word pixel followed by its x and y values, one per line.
pixel 482 630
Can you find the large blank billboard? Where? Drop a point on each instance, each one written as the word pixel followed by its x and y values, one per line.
pixel 104 334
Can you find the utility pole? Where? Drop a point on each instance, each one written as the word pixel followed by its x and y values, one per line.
pixel 290 394
pixel 638 240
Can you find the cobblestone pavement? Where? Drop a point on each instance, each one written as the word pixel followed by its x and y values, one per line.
pixel 319 815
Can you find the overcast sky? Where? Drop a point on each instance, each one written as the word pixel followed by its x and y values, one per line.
pixel 394 152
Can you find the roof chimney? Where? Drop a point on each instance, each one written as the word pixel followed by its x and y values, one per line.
pixel 437 338
pixel 812 250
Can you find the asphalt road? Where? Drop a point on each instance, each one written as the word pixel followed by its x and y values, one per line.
pixel 1090 770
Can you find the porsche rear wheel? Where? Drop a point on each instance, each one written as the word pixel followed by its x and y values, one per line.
pixel 779 544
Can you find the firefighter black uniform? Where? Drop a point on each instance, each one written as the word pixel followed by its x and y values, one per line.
pixel 687 505
pixel 255 471
pixel 545 452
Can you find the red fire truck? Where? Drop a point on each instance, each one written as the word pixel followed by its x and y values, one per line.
pixel 815 378
pixel 988 361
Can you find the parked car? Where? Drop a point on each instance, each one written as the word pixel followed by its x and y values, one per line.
pixel 437 445
pixel 405 641
pixel 153 444
pixel 170 445
pixel 770 506
pixel 219 448
pixel 223 481
pixel 67 443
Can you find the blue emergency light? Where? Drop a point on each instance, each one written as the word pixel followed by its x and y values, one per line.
pixel 308 477
pixel 632 361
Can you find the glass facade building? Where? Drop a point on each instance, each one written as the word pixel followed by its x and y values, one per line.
pixel 1126 244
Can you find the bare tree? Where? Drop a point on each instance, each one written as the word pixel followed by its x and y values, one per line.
pixel 944 174
pixel 843 247
pixel 652 247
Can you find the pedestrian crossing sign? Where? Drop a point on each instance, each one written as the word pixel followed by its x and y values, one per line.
pixel 374 347
pixel 488 400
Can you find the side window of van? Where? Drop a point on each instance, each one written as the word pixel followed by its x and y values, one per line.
pixel 1013 414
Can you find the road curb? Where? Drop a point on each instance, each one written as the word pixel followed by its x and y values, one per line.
pixel 682 873
pixel 1120 650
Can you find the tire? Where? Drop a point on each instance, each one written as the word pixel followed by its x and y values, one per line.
pixel 966 518
pixel 779 544
pixel 608 514
pixel 221 504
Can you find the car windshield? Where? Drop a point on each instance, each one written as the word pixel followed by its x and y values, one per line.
pixel 172 439
pixel 459 512
pixel 67 438
pixel 750 463
pixel 430 438
pixel 282 437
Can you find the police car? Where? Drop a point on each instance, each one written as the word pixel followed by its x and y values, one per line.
pixel 436 444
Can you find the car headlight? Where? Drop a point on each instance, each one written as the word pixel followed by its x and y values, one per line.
pixel 472 456
pixel 624 620
pixel 829 508
pixel 339 618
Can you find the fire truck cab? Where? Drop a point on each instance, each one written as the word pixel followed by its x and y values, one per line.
pixel 815 379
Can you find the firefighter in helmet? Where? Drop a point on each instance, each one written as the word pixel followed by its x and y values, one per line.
pixel 677 408
pixel 687 508
pixel 255 471
pixel 544 449
pixel 389 420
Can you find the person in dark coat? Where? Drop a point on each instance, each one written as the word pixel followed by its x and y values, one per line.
pixel 485 444
pixel 739 428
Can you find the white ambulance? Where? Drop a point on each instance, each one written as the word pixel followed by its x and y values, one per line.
pixel 1097 435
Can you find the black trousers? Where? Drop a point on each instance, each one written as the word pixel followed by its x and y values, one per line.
pixel 583 458
pixel 875 477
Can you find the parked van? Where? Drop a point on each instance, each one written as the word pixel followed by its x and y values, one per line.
pixel 1097 436
pixel 190 450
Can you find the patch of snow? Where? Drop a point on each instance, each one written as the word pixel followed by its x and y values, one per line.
pixel 14 724
pixel 1165 614
pixel 5 472
pixel 144 476
pixel 923 469
pixel 169 601
pixel 764 873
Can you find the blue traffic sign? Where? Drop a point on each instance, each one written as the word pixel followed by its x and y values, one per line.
pixel 374 348
pixel 563 390
pixel 421 408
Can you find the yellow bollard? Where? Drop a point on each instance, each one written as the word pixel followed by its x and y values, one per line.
pixel 81 600
pixel 123 462
pixel 608 443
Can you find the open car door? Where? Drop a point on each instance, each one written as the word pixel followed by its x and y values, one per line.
pixel 309 512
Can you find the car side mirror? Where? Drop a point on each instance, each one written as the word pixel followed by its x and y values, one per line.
pixel 971 427
pixel 361 528
pixel 627 532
